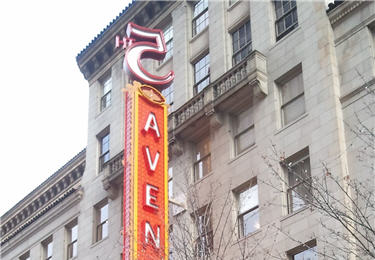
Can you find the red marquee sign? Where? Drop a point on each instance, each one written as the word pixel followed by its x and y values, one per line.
pixel 146 149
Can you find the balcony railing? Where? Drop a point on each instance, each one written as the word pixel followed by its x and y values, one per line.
pixel 114 166
pixel 251 71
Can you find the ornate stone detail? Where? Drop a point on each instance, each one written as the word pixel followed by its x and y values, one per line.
pixel 175 147
pixel 343 10
pixel 250 73
pixel 42 203
pixel 90 65
pixel 113 169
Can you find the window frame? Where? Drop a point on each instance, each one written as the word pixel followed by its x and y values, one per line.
pixel 204 238
pixel 283 84
pixel 106 96
pixel 72 243
pixel 168 43
pixel 290 164
pixel 237 134
pixel 205 67
pixel 308 246
pixel 202 159
pixel 46 243
pixel 170 182
pixel 283 16
pixel 247 43
pixel 240 216
pixel 104 157
pixel 199 15
pixel 25 256
pixel 168 94
pixel 100 224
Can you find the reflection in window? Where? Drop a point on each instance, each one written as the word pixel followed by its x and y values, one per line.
pixel 202 164
pixel 244 135
pixel 248 208
pixel 168 95
pixel 292 98
pixel 102 222
pixel 168 38
pixel 306 251
pixel 286 17
pixel 241 40
pixel 203 224
pixel 47 248
pixel 299 180
pixel 104 151
pixel 200 16
pixel 72 234
pixel 201 74
pixel 170 182
pixel 105 100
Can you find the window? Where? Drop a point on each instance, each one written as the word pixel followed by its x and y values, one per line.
pixel 286 17
pixel 299 180
pixel 203 224
pixel 201 74
pixel 231 2
pixel 292 96
pixel 168 38
pixel 168 95
pixel 244 135
pixel 47 248
pixel 241 43
pixel 72 235
pixel 105 100
pixel 101 211
pixel 104 150
pixel 25 256
pixel 202 164
pixel 170 182
pixel 248 208
pixel 306 251
pixel 200 16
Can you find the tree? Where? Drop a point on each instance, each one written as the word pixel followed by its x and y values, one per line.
pixel 204 227
pixel 345 203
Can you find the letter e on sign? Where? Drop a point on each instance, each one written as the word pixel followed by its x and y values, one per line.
pixel 151 192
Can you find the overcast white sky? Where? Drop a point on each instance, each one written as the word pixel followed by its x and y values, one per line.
pixel 44 97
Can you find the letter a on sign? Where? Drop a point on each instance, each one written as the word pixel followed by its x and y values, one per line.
pixel 151 123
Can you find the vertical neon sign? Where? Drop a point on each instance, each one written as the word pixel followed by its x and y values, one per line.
pixel 145 215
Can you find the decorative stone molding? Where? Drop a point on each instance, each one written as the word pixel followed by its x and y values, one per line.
pixel 175 147
pixel 91 60
pixel 113 170
pixel 49 198
pixel 38 214
pixel 249 74
pixel 343 9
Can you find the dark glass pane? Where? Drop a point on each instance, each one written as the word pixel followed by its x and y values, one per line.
pixel 250 222
pixel 294 14
pixel 288 20
pixel 286 6
pixel 248 32
pixel 242 36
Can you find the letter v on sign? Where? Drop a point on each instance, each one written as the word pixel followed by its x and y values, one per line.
pixel 152 163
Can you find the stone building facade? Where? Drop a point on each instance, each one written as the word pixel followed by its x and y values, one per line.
pixel 260 88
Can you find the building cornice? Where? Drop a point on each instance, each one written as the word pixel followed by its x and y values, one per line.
pixel 343 9
pixel 45 197
pixel 102 49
